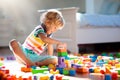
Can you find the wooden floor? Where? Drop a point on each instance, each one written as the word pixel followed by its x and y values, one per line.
pixel 5 51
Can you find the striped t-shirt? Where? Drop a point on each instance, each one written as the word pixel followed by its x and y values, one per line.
pixel 33 42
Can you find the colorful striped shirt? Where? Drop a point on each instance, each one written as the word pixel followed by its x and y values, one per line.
pixel 33 42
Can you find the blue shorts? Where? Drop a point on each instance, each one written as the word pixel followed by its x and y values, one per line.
pixel 34 57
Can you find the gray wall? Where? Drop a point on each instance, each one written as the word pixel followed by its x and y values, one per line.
pixel 24 12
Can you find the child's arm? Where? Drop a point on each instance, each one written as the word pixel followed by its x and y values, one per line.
pixel 49 40
pixel 50 49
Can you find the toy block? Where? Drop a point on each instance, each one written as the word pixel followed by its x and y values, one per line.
pixel 10 58
pixel 75 66
pixel 117 65
pixel 29 78
pixel 11 77
pixel 60 70
pixel 91 70
pixel 61 63
pixel 1 63
pixel 68 63
pixel 44 78
pixel 44 66
pixel 118 72
pixel 118 55
pixel 54 72
pixel 52 77
pixel 20 78
pixel 108 65
pixel 62 54
pixel 24 69
pixel 61 60
pixel 24 79
pixel 102 71
pixel 58 77
pixel 1 58
pixel 72 72
pixel 97 70
pixel 107 69
pixel 82 70
pixel 35 78
pixel 35 71
pixel 66 71
pixel 33 67
pixel 61 50
pixel 51 66
pixel 114 75
pixel 108 77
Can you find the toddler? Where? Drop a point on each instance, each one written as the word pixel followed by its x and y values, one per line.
pixel 30 51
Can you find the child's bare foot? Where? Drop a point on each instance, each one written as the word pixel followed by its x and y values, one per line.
pixel 18 53
pixel 47 62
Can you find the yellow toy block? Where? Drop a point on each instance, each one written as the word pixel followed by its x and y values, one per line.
pixel 54 72
pixel 117 65
pixel 51 66
pixel 44 78
pixel 97 70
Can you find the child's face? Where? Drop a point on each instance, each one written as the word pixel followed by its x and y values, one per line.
pixel 52 28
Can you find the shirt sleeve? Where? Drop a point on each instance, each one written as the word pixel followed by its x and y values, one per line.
pixel 38 31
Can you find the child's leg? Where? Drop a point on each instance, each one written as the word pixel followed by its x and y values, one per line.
pixel 17 51
pixel 53 61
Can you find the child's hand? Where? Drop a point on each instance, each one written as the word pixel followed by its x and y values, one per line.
pixel 62 45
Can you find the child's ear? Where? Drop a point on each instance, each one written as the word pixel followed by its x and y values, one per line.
pixel 47 22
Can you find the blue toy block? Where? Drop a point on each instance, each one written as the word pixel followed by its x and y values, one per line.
pixel 91 70
pixel 60 70
pixel 72 72
pixel 52 77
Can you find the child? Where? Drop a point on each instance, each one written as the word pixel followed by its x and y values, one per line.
pixel 30 52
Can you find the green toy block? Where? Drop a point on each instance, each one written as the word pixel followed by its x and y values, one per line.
pixel 62 54
pixel 65 72
pixel 1 63
pixel 118 72
pixel 44 66
pixel 35 71
pixel 118 55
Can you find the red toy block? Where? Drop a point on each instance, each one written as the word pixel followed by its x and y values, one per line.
pixel 82 70
pixel 58 77
pixel 102 71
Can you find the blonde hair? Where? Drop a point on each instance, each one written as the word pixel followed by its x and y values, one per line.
pixel 53 16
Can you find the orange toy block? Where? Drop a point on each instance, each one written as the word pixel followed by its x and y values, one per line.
pixel 24 69
pixel 44 78
pixel 107 70
pixel 61 50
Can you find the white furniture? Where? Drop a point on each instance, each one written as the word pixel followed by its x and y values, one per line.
pixel 68 33
pixel 100 23
pixel 93 29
